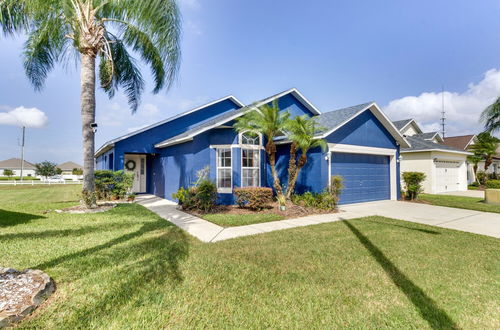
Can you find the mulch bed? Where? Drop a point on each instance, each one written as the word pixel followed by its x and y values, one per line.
pixel 291 211
pixel 101 207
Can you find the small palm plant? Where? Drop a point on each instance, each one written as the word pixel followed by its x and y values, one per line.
pixel 270 122
pixel 97 32
pixel 491 117
pixel 301 131
pixel 486 147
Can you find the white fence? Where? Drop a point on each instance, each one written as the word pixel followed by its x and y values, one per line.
pixel 37 182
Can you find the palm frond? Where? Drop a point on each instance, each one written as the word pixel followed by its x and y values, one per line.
pixel 490 117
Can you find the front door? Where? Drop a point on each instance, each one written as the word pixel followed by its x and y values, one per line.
pixel 136 164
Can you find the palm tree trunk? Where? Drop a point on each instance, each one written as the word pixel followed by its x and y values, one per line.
pixel 292 168
pixel 271 152
pixel 487 162
pixel 293 179
pixel 474 169
pixel 87 77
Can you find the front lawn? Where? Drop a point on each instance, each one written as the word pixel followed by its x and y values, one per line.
pixel 461 202
pixel 228 220
pixel 128 268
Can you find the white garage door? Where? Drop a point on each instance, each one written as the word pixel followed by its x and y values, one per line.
pixel 447 176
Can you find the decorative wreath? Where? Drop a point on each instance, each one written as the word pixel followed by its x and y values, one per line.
pixel 130 165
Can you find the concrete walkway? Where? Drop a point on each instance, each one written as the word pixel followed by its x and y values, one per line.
pixel 465 220
pixel 467 193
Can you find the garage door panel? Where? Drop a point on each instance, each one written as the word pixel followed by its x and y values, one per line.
pixel 447 176
pixel 366 177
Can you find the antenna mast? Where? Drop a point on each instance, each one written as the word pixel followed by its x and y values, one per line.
pixel 443 118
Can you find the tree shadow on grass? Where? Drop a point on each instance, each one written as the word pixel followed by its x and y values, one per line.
pixel 428 309
pixel 127 274
pixel 427 231
pixel 9 218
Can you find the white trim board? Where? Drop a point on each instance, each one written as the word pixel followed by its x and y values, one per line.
pixel 353 149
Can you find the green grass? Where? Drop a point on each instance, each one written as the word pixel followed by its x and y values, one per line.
pixel 128 268
pixel 461 202
pixel 228 220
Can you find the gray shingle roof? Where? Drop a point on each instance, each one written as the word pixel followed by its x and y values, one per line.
pixel 401 123
pixel 15 163
pixel 332 119
pixel 426 136
pixel 421 144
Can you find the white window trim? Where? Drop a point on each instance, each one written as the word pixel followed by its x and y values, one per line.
pixel 259 167
pixel 223 190
pixel 232 146
pixel 353 149
pixel 240 140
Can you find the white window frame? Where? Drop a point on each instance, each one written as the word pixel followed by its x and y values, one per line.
pixel 223 190
pixel 258 167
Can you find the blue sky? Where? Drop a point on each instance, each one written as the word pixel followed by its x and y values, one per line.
pixel 337 53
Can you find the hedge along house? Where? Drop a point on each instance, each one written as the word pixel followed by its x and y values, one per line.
pixel 363 149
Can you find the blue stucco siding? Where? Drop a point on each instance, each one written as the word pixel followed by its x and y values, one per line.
pixel 364 130
pixel 105 161
pixel 291 104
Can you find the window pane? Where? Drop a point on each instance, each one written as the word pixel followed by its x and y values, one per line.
pixel 248 138
pixel 224 178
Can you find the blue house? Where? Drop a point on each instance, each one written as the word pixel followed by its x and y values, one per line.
pixel 363 148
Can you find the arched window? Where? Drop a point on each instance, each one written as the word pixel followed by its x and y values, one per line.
pixel 250 139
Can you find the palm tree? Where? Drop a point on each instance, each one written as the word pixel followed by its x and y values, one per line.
pixel 270 122
pixel 491 117
pixel 474 160
pixel 301 131
pixel 97 29
pixel 486 147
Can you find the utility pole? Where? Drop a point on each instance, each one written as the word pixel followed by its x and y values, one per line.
pixel 22 153
pixel 443 118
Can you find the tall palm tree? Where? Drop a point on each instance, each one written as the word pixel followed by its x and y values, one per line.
pixel 486 147
pixel 270 122
pixel 301 131
pixel 98 32
pixel 491 117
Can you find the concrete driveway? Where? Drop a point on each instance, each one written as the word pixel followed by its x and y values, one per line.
pixel 483 223
pixel 467 193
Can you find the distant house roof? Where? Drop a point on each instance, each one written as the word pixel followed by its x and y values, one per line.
pixel 108 145
pixel 230 115
pixel 400 124
pixel 418 144
pixel 430 136
pixel 15 163
pixel 459 142
pixel 69 166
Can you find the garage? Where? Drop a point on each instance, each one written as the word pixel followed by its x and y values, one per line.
pixel 447 176
pixel 366 176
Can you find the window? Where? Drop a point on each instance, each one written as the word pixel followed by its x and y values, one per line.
pixel 250 167
pixel 250 138
pixel 224 170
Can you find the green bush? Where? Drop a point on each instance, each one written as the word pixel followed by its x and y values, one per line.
pixel 255 198
pixel 493 176
pixel 111 184
pixel 481 177
pixel 16 178
pixel 413 183
pixel 202 197
pixel 493 184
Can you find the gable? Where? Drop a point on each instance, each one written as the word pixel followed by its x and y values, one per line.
pixel 411 129
pixel 363 130
pixel 290 103
pixel 144 141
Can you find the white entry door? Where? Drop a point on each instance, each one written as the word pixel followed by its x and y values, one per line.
pixel 447 176
pixel 136 164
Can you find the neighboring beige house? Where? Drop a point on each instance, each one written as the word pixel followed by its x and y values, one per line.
pixel 465 142
pixel 445 167
pixel 14 164
pixel 67 170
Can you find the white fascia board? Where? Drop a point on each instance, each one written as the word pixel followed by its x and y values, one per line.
pixel 305 101
pixel 229 97
pixel 355 149
pixel 412 121
pixel 470 141
pixel 373 107
pixel 440 150
pixel 106 147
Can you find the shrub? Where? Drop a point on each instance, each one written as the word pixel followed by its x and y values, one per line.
pixel 202 197
pixel 336 185
pixel 493 184
pixel 8 173
pixel 493 176
pixel 413 182
pixel 255 198
pixel 481 177
pixel 112 184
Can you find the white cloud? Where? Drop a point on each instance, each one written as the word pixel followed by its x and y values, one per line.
pixel 462 109
pixel 190 4
pixel 21 116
